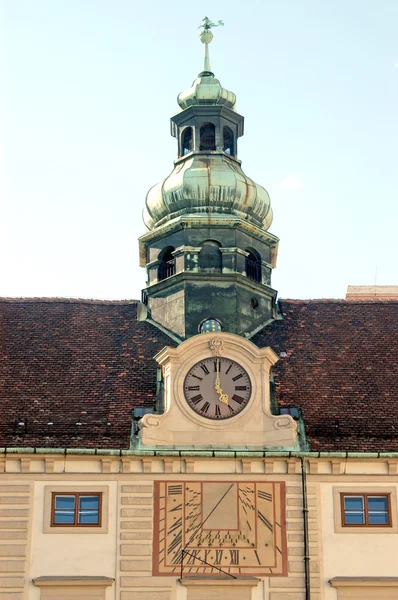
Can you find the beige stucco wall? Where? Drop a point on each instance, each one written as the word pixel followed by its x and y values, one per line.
pixel 70 553
pixel 124 552
pixel 355 554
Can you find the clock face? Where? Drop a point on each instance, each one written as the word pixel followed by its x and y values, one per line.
pixel 218 527
pixel 217 388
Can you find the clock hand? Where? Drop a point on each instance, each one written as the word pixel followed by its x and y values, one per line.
pixel 222 397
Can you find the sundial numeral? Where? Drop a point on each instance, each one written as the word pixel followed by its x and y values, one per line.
pixel 238 399
pixel 258 559
pixel 179 507
pixel 237 377
pixel 264 496
pixel 196 399
pixel 177 541
pixel 264 520
pixel 192 556
pixel 218 558
pixel 177 559
pixel 205 369
pixel 176 525
pixel 234 556
pixel 174 489
pixel 193 388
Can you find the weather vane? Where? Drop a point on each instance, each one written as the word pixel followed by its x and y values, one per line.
pixel 207 24
pixel 206 37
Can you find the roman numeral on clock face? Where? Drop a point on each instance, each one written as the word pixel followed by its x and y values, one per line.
pixel 194 388
pixel 237 377
pixel 238 399
pixel 205 369
pixel 197 399
pixel 241 388
pixel 205 407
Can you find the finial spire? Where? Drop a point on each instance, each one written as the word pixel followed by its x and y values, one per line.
pixel 206 37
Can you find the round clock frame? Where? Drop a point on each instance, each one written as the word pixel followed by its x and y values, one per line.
pixel 217 388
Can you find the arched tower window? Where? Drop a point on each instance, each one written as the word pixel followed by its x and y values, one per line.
pixel 207 137
pixel 228 139
pixel 167 266
pixel 253 265
pixel 210 259
pixel 186 141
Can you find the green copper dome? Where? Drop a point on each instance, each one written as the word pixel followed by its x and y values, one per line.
pixel 207 177
pixel 214 185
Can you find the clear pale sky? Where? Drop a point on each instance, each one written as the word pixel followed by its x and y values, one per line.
pixel 89 86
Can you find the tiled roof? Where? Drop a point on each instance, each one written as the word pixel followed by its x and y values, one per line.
pixel 341 370
pixel 77 361
pixel 74 361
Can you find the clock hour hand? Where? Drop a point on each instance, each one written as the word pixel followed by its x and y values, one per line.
pixel 222 397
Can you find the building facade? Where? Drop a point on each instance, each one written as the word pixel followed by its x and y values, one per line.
pixel 207 441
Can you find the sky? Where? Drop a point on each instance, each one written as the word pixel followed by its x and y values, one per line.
pixel 87 91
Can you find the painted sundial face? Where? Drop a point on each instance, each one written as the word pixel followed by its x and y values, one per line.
pixel 217 388
pixel 219 528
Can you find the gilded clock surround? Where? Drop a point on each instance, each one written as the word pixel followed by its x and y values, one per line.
pixel 180 426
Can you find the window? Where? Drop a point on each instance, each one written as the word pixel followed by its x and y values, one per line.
pixel 76 510
pixel 365 510
pixel 207 137
pixel 228 141
pixel 253 265
pixel 166 266
pixel 186 141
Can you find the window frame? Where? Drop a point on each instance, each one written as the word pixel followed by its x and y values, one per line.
pixel 77 496
pixel 69 490
pixel 376 489
pixel 365 496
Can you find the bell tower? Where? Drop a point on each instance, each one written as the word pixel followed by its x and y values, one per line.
pixel 208 252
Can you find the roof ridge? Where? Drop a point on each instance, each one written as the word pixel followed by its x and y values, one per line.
pixel 372 300
pixel 65 300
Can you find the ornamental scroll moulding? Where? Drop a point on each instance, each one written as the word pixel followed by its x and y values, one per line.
pixel 179 426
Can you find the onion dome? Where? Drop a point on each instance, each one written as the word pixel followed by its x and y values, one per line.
pixel 206 89
pixel 207 177
pixel 212 185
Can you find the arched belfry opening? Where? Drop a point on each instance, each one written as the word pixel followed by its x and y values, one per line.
pixel 210 259
pixel 207 137
pixel 228 141
pixel 166 267
pixel 186 141
pixel 253 265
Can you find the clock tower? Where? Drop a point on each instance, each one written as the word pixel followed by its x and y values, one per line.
pixel 208 251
